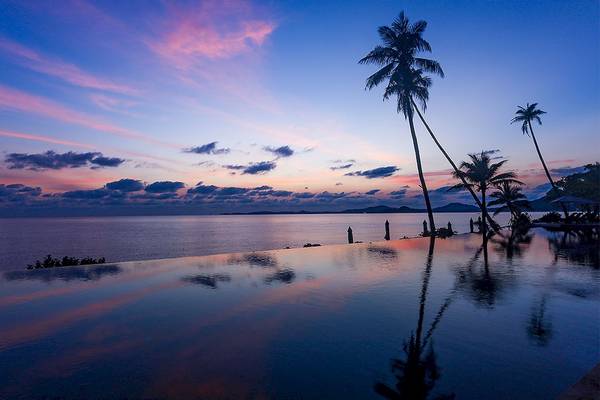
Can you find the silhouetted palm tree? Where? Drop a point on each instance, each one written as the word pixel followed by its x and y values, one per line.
pixel 481 174
pixel 525 115
pixel 509 196
pixel 493 223
pixel 404 71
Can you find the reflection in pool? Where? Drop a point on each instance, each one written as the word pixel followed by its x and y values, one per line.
pixel 417 319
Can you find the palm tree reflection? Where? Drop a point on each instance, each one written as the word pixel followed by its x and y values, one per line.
pixel 580 247
pixel 539 328
pixel 512 245
pixel 483 284
pixel 417 373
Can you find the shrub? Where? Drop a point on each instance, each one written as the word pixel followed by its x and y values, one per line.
pixel 551 217
pixel 66 261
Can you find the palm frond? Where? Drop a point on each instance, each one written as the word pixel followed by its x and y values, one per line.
pixel 499 209
pixel 387 36
pixel 379 55
pixel 379 76
pixel 400 66
pixel 458 186
pixel 430 66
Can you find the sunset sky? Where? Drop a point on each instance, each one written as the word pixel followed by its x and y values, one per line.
pixel 237 105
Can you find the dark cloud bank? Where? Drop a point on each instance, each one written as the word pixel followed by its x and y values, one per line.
pixel 381 172
pixel 280 152
pixel 53 160
pixel 133 197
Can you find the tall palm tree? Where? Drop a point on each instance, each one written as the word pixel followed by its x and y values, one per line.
pixel 404 71
pixel 481 174
pixel 525 115
pixel 509 196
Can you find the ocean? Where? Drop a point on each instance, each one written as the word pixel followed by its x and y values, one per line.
pixel 24 240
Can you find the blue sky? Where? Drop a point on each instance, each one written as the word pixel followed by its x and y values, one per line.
pixel 143 85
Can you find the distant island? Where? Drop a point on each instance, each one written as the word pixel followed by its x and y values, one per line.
pixel 541 204
pixel 448 208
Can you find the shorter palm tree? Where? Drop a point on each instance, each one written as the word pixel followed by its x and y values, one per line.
pixel 481 174
pixel 509 196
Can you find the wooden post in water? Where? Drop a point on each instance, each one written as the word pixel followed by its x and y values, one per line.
pixel 387 230
pixel 350 237
pixel 471 225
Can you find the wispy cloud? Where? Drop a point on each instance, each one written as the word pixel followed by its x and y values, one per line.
pixel 70 73
pixel 210 30
pixel 114 104
pixel 343 166
pixel 13 99
pixel 208 148
pixel 44 139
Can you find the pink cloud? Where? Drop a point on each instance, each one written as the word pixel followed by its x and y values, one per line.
pixel 60 69
pixel 45 139
pixel 202 45
pixel 20 101
pixel 212 30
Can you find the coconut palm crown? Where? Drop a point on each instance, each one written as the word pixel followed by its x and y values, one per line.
pixel 400 63
pixel 510 197
pixel 527 114
pixel 480 173
pixel 404 72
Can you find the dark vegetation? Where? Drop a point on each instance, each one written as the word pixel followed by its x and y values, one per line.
pixel 66 261
pixel 404 73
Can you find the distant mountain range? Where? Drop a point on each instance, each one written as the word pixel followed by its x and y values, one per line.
pixel 537 205
pixel 452 207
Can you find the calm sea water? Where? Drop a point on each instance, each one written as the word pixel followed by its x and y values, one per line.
pixel 414 319
pixel 24 240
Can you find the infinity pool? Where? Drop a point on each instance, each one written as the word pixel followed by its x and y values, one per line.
pixel 411 319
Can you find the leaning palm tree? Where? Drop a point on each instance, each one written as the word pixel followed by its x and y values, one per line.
pixel 481 174
pixel 509 197
pixel 493 223
pixel 525 115
pixel 404 71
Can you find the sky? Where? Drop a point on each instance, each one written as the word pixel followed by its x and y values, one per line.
pixel 224 106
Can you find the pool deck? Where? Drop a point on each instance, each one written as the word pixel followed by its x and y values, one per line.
pixel 587 388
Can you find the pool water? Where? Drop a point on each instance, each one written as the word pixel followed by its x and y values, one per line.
pixel 518 318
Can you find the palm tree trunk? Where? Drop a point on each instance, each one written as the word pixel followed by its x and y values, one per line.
pixel 483 212
pixel 423 296
pixel 493 223
pixel 421 177
pixel 484 230
pixel 537 148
